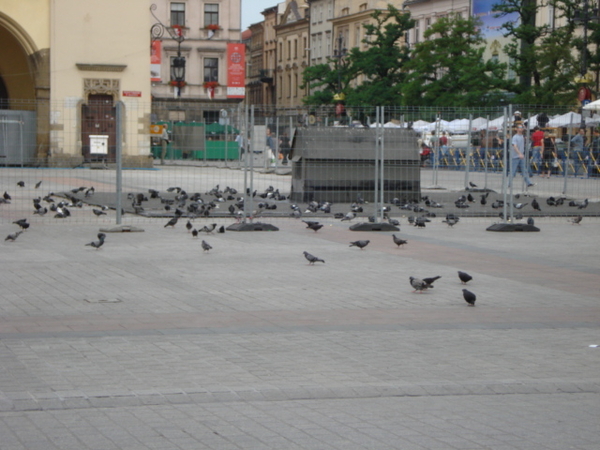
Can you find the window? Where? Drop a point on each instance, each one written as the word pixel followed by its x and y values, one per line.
pixel 289 50
pixel 328 43
pixel 295 48
pixel 417 30
pixel 211 69
pixel 211 14
pixel 178 14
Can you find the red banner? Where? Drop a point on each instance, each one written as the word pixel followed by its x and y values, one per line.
pixel 236 70
pixel 155 60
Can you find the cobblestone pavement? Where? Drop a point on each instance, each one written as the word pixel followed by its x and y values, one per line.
pixel 150 343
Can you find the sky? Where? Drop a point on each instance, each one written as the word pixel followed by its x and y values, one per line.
pixel 251 11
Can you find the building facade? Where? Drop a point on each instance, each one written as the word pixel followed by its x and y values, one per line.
pixel 206 28
pixel 74 69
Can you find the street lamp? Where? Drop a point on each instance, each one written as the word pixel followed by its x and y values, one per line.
pixel 339 53
pixel 175 32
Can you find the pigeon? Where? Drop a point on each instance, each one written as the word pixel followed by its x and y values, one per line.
pixel 21 183
pixel 315 226
pixel 483 200
pixel 464 277
pixel 419 285
pixel 22 223
pixel 7 196
pixel 469 297
pixel 430 280
pixel 209 229
pixel 172 222
pixel 349 216
pixel 312 259
pixel 38 184
pixel 90 192
pixel 399 242
pixel 576 220
pixel 583 204
pixel 189 226
pixel 206 246
pixel 221 229
pixel 471 184
pixel 98 212
pixel 13 236
pixel 451 221
pixel 195 232
pixel 41 211
pixel 535 205
pixel 530 221
pixel 520 205
pixel 99 243
pixel 359 244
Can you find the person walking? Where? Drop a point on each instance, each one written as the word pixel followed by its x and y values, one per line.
pixel 517 157
pixel 548 154
pixel 537 148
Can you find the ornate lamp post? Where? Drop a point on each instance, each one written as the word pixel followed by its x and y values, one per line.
pixel 339 53
pixel 178 65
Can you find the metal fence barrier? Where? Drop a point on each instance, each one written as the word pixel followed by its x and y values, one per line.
pixel 257 163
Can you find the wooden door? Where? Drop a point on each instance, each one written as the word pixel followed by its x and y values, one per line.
pixel 98 118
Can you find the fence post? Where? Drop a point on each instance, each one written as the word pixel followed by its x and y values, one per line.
pixel 119 160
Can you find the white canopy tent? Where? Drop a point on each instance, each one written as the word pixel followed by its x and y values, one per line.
pixel 565 120
pixel 459 126
pixel 419 125
pixel 494 124
pixel 440 125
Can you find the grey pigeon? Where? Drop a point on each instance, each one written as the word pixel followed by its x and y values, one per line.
pixel 576 220
pixel 430 280
pixel 451 221
pixel 206 246
pixel 399 242
pixel 189 226
pixel 13 236
pixel 530 221
pixel 349 216
pixel 359 244
pixel 312 259
pixel 195 232
pixel 469 297
pixel 172 222
pixel 535 205
pixel 464 277
pixel 418 284
pixel 22 223
pixel 98 212
pixel 99 243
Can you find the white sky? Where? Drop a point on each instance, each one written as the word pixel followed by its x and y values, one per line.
pixel 251 11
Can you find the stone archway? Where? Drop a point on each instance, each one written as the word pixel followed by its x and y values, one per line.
pixel 25 74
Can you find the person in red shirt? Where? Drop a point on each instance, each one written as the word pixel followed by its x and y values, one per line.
pixel 537 147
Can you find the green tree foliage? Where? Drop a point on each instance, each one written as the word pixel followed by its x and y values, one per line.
pixel 541 56
pixel 381 67
pixel 448 69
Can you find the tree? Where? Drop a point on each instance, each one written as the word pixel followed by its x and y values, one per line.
pixel 370 77
pixel 448 69
pixel 541 56
pixel 382 65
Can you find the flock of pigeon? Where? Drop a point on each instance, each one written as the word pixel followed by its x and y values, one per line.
pixel 423 284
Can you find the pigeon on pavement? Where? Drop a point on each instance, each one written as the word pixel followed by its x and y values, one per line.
pixel 22 223
pixel 399 242
pixel 13 236
pixel 430 280
pixel 469 297
pixel 172 222
pixel 464 277
pixel 359 244
pixel 99 243
pixel 576 220
pixel 312 259
pixel 419 285
pixel 206 246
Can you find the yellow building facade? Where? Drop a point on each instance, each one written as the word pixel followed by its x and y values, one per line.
pixel 79 67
